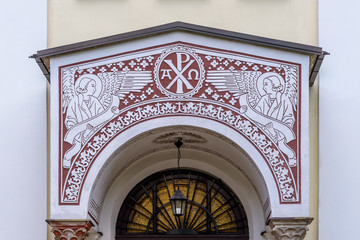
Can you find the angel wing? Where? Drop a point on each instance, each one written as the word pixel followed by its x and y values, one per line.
pixel 235 82
pixel 291 80
pixel 122 83
pixel 132 81
pixel 68 86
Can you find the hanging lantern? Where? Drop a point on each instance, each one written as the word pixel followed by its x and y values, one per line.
pixel 178 202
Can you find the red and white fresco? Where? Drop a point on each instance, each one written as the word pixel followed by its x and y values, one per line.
pixel 257 97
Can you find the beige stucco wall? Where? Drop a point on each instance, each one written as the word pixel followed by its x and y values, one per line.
pixel 72 21
pixel 313 234
pixel 77 20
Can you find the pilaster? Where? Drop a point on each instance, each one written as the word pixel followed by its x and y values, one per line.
pixel 287 228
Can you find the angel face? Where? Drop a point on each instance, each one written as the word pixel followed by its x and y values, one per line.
pixel 91 87
pixel 268 86
pixel 86 87
pixel 272 85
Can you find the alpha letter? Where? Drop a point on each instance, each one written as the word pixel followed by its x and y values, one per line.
pixel 166 73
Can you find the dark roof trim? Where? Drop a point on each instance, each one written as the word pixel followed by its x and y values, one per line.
pixel 316 68
pixel 42 66
pixel 186 27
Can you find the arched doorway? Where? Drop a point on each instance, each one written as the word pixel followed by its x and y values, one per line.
pixel 212 209
pixel 151 152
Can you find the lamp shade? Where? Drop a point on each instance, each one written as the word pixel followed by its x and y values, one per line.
pixel 178 201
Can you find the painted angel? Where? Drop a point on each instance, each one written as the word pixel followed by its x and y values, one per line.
pixel 93 100
pixel 266 99
pixel 275 104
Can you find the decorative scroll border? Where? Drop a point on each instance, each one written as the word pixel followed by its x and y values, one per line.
pixel 281 171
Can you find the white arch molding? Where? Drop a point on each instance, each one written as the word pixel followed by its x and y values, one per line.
pixel 132 156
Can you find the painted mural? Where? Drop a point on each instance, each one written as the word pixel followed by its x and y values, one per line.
pixel 257 97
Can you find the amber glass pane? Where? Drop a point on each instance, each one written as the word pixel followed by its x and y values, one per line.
pixel 211 207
